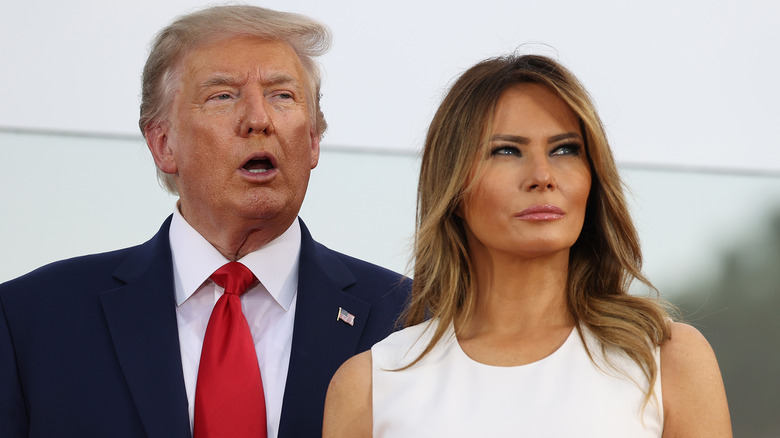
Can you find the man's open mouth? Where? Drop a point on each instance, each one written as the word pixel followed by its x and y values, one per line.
pixel 258 165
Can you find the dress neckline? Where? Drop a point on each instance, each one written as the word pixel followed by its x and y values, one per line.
pixel 571 338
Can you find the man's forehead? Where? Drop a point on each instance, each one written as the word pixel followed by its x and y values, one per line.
pixel 227 58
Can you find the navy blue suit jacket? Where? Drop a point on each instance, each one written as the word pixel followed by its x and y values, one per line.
pixel 89 346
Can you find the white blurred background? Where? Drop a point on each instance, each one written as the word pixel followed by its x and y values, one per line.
pixel 679 82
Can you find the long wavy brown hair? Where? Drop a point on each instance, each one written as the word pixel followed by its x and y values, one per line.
pixel 603 262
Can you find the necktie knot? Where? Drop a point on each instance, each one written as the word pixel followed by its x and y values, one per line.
pixel 234 277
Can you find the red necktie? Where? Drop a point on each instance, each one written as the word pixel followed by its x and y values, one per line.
pixel 229 399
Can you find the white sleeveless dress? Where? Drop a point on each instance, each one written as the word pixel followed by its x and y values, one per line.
pixel 448 394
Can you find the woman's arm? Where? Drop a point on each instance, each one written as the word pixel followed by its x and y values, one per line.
pixel 348 406
pixel 693 394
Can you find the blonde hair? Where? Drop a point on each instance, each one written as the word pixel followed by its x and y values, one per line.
pixel 162 73
pixel 604 260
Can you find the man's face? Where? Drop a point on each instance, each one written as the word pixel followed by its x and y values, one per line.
pixel 239 138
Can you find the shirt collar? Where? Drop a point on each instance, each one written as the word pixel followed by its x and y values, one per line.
pixel 195 259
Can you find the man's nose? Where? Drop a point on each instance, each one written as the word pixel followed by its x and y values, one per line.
pixel 255 115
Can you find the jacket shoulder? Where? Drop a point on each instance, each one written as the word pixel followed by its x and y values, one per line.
pixel 371 282
pixel 73 271
pixel 92 271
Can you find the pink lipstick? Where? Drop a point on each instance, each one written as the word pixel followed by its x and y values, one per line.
pixel 547 212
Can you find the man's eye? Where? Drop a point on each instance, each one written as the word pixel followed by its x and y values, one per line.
pixel 221 96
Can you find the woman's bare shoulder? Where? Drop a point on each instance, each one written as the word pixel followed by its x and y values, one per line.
pixel 693 392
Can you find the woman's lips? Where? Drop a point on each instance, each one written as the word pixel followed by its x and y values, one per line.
pixel 545 212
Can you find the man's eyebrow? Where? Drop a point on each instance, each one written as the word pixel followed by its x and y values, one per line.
pixel 279 78
pixel 276 78
pixel 220 79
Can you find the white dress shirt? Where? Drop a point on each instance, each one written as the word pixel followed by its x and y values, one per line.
pixel 269 306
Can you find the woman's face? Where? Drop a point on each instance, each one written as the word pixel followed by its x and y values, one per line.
pixel 530 194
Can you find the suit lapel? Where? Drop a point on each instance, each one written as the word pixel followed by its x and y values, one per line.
pixel 141 317
pixel 321 342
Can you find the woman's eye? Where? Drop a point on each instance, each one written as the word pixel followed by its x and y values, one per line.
pixel 505 150
pixel 567 149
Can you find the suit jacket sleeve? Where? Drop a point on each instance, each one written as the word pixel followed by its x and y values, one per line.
pixel 13 413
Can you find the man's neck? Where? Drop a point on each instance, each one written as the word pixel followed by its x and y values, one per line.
pixel 236 237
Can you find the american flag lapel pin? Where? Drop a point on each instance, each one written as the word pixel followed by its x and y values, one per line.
pixel 346 317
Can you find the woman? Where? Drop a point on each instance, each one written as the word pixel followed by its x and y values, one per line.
pixel 520 322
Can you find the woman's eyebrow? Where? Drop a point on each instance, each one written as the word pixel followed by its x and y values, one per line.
pixel 566 136
pixel 511 138
pixel 519 139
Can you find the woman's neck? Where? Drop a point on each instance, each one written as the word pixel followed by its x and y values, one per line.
pixel 518 296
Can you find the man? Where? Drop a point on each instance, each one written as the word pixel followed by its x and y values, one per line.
pixel 112 345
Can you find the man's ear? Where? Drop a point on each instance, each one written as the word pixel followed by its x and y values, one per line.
pixel 156 135
pixel 315 147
